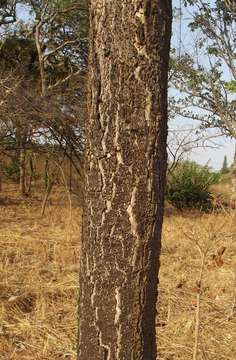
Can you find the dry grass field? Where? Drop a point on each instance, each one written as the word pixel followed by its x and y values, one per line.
pixel 38 279
pixel 39 282
pixel 197 296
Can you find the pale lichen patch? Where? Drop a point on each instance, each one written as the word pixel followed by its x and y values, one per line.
pixel 119 157
pixel 102 173
pixel 119 343
pixel 108 205
pixel 130 211
pixel 148 108
pixel 141 49
pixel 93 292
pixel 118 305
pixel 137 73
pixel 133 222
pixel 116 142
pixel 104 139
pixel 149 185
pixel 140 15
pixel 107 210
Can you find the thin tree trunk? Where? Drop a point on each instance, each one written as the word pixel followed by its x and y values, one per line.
pixel 50 183
pixel 46 196
pixel 46 173
pixel 31 175
pixel 124 179
pixel 40 56
pixel 22 171
pixel 70 171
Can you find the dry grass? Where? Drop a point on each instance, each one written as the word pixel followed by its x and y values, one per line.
pixel 39 282
pixel 183 299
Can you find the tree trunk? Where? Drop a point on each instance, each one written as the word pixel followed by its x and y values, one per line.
pixel 46 174
pixel 22 171
pixel 124 178
pixel 0 175
pixel 31 175
pixel 46 196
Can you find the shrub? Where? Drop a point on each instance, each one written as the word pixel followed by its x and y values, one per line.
pixel 11 171
pixel 188 186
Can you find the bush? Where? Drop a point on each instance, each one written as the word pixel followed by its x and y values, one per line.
pixel 188 186
pixel 11 171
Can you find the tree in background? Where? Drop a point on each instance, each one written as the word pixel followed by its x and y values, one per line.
pixel 125 177
pixel 43 66
pixel 205 75
pixel 225 169
pixel 183 141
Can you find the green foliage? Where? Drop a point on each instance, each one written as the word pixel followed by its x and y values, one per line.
pixel 63 40
pixel 231 86
pixel 11 171
pixel 200 73
pixel 19 53
pixel 189 184
pixel 44 52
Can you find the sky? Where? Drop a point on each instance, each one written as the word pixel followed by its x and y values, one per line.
pixel 225 146
pixel 215 157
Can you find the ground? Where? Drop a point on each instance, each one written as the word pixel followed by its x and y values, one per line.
pixel 197 295
pixel 39 259
pixel 38 278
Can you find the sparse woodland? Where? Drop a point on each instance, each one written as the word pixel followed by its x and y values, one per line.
pixel 88 176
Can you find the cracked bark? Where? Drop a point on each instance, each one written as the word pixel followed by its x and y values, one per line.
pixel 125 177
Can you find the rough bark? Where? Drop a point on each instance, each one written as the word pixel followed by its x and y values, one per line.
pixel 125 176
pixel 0 175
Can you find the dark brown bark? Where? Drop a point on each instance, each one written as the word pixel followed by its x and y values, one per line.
pixel 0 175
pixel 124 179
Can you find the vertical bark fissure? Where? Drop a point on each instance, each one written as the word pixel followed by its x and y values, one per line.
pixel 125 175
